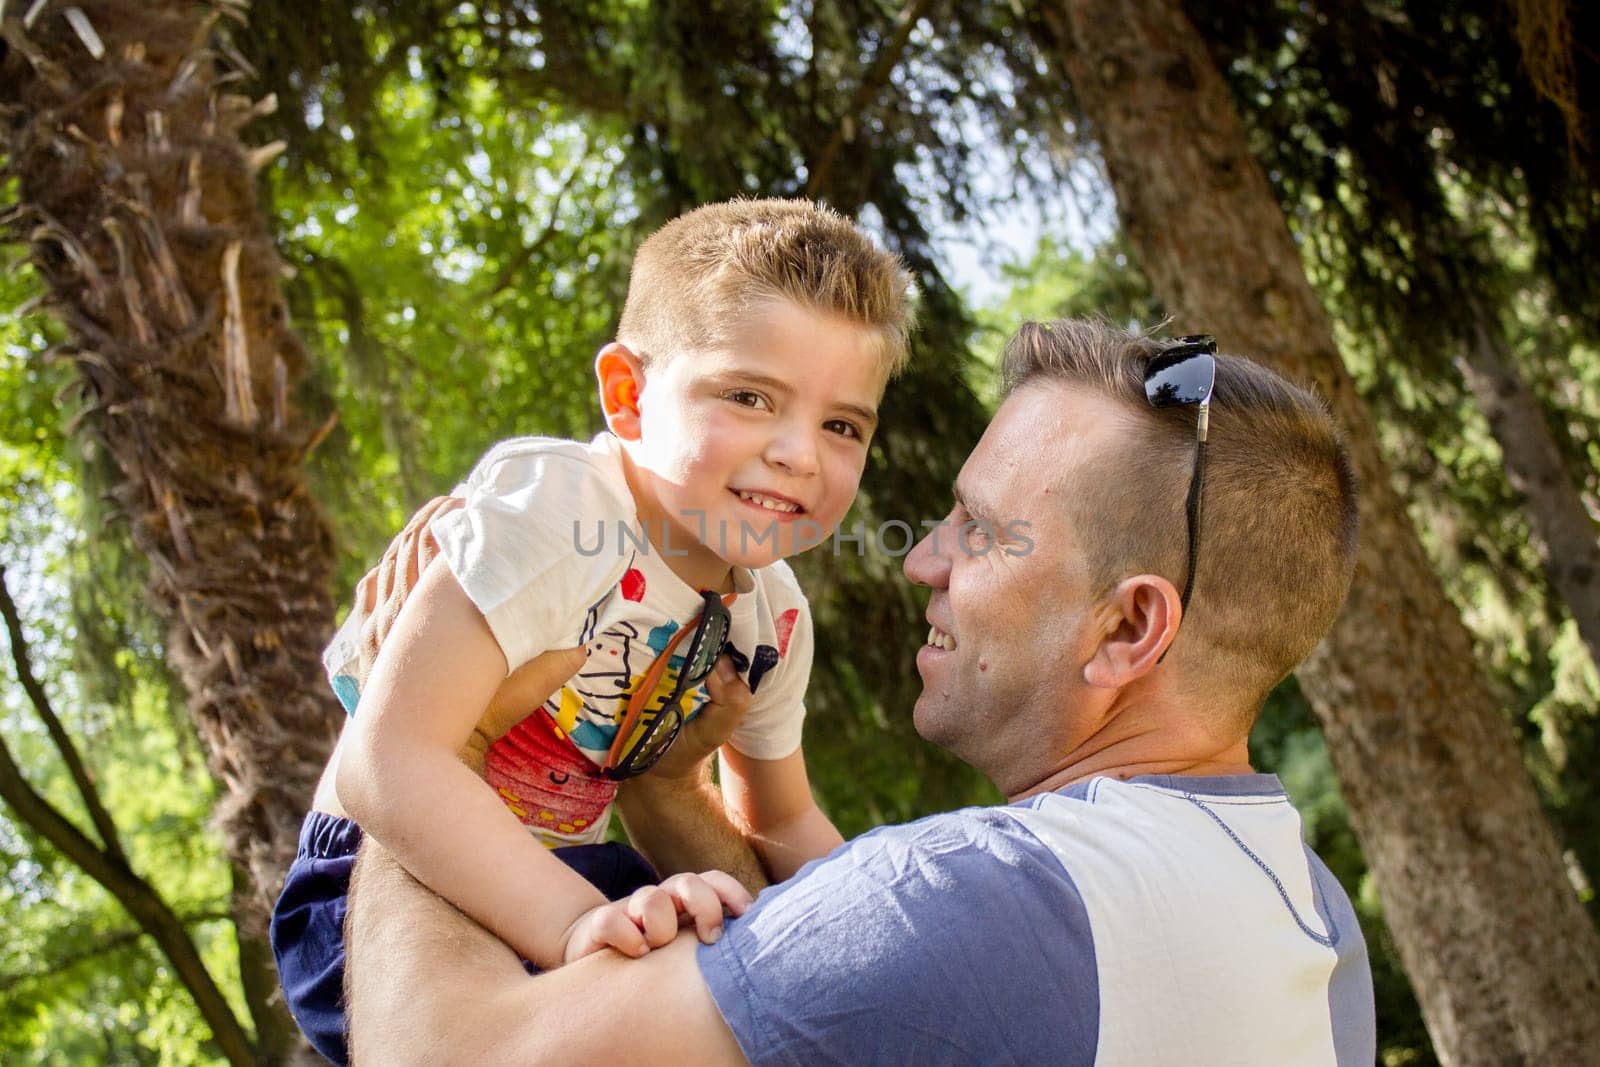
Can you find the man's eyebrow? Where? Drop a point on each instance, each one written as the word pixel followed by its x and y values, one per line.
pixel 977 511
pixel 778 385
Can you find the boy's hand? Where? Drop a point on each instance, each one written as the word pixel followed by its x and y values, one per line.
pixel 652 916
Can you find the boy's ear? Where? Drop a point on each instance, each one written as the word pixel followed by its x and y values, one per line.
pixel 621 378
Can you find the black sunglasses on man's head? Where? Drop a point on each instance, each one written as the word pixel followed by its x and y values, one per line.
pixel 1185 373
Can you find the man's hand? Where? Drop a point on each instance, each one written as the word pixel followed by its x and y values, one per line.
pixel 521 694
pixel 652 916
pixel 383 591
pixel 673 813
pixel 702 735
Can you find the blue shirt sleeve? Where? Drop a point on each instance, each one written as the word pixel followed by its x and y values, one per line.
pixel 955 939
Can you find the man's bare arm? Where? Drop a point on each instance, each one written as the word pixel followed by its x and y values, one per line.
pixel 681 825
pixel 674 814
pixel 425 984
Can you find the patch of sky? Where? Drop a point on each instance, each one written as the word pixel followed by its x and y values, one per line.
pixel 478 166
pixel 1015 216
pixel 792 40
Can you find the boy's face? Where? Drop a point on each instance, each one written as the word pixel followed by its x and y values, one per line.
pixel 753 452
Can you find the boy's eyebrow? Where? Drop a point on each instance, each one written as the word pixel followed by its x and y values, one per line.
pixel 778 385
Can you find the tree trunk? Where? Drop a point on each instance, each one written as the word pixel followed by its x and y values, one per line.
pixel 136 198
pixel 1505 962
pixel 1563 530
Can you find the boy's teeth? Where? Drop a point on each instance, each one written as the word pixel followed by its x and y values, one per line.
pixel 767 502
pixel 939 639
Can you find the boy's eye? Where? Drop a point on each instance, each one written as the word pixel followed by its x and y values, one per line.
pixel 746 398
pixel 843 427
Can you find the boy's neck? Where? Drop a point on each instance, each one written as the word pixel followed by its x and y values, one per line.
pixel 675 543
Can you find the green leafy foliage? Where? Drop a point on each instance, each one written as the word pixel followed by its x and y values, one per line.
pixel 463 191
pixel 78 983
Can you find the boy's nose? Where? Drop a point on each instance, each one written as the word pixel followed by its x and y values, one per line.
pixel 795 451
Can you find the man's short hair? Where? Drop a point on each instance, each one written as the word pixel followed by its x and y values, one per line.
pixel 697 276
pixel 1279 522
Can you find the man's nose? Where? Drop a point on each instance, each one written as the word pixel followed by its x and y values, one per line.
pixel 794 448
pixel 929 562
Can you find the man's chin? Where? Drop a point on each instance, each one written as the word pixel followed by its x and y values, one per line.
pixel 931 723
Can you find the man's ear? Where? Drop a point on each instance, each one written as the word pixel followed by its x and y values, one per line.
pixel 1139 620
pixel 621 378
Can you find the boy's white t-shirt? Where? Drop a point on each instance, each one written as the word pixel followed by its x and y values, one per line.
pixel 550 549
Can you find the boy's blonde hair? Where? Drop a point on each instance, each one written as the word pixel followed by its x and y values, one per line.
pixel 1278 528
pixel 697 276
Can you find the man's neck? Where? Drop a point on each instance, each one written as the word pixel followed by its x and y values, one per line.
pixel 1110 763
pixel 1139 729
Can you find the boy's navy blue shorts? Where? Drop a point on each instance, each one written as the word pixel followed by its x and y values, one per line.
pixel 308 920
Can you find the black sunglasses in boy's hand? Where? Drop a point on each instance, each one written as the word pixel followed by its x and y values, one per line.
pixel 643 737
pixel 1185 373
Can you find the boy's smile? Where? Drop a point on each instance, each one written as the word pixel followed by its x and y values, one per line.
pixel 752 451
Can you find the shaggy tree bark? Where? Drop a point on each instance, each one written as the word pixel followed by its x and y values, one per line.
pixel 1504 960
pixel 136 199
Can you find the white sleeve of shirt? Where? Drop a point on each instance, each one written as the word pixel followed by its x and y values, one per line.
pixel 777 714
pixel 516 548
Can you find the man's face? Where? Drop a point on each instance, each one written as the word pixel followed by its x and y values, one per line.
pixel 1010 610
pixel 755 451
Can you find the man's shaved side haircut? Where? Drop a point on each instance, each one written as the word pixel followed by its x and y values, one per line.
pixel 1278 522
pixel 696 278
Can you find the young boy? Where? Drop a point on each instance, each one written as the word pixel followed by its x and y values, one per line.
pixel 740 397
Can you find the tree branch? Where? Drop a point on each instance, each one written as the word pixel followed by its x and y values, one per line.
pixel 58 734
pixel 871 84
pixel 141 900
pixel 508 273
pixel 107 944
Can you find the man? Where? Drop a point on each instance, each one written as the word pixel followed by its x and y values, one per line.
pixel 1101 653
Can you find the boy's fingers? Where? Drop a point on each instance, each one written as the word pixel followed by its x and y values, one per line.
pixel 729 890
pixel 608 925
pixel 697 903
pixel 655 913
pixel 425 514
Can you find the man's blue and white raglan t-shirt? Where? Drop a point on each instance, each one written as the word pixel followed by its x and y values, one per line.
pixel 1158 920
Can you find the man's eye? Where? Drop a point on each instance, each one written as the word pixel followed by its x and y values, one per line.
pixel 746 398
pixel 843 427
